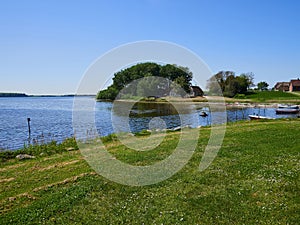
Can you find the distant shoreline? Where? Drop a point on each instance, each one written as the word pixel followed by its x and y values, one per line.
pixel 14 95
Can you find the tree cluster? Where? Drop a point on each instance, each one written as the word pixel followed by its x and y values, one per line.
pixel 226 83
pixel 122 79
pixel 262 86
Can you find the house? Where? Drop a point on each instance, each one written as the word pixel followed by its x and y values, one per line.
pixel 196 91
pixel 282 86
pixel 294 85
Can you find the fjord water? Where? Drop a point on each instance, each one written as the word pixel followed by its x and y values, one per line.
pixel 51 119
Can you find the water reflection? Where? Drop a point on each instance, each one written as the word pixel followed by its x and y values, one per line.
pixel 136 116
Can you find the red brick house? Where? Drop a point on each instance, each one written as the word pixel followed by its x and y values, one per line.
pixel 294 85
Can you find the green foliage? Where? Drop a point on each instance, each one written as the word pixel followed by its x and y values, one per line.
pixel 146 86
pixel 262 86
pixel 269 96
pixel 240 96
pixel 228 84
pixel 143 133
pixel 38 150
pixel 180 75
pixel 110 93
pixel 109 138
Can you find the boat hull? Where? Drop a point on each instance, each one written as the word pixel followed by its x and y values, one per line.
pixel 287 111
pixel 256 117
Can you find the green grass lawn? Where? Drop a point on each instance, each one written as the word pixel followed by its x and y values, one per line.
pixel 253 180
pixel 270 96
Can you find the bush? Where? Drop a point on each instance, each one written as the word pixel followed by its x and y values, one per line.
pixel 109 138
pixel 240 96
pixel 143 133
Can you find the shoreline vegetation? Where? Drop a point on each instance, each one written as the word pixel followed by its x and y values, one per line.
pixel 152 82
pixel 246 183
pixel 292 98
pixel 39 150
pixel 13 95
pixel 258 97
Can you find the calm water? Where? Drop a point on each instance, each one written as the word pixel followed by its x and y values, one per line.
pixel 51 118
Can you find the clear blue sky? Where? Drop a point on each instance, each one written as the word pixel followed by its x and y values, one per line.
pixel 46 46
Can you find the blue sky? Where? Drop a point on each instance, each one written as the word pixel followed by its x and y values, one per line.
pixel 46 46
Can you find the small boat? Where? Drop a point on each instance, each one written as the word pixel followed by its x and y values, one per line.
pixel 257 117
pixel 203 114
pixel 280 106
pixel 287 109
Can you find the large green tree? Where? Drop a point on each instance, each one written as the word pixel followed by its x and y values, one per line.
pixel 228 84
pixel 262 86
pixel 180 75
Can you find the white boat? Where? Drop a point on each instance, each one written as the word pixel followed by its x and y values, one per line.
pixel 287 109
pixel 257 117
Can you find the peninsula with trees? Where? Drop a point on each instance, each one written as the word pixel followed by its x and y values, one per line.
pixel 223 83
pixel 181 76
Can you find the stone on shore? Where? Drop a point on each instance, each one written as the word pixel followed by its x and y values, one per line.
pixel 24 156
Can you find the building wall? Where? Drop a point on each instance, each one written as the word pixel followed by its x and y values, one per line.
pixel 294 85
pixel 294 88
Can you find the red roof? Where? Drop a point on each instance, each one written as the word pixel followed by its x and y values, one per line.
pixel 295 83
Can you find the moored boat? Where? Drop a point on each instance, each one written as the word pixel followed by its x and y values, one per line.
pixel 257 117
pixel 287 109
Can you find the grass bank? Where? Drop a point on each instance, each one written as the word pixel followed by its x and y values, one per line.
pixel 251 97
pixel 253 180
pixel 269 97
pixel 41 150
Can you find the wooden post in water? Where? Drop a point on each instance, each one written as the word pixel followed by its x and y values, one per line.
pixel 29 131
pixel 243 113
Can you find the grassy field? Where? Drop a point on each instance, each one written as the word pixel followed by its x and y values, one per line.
pixel 253 180
pixel 270 96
